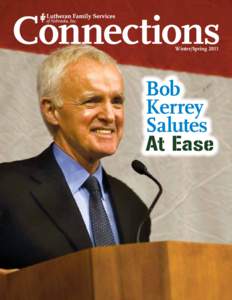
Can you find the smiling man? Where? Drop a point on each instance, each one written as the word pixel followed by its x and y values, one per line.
pixel 89 124
pixel 62 200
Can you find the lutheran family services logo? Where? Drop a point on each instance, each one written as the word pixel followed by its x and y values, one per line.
pixel 66 29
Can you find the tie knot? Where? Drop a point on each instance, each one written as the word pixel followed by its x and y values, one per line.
pixel 92 185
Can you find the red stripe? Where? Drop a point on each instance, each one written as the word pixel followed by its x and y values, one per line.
pixel 201 12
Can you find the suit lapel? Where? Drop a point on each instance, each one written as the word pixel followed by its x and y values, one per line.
pixel 118 201
pixel 52 193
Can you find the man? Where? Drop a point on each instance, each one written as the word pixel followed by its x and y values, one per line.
pixel 46 202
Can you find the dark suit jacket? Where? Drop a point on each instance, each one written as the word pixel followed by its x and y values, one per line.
pixel 40 220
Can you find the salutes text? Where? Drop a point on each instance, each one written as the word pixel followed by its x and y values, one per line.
pixel 174 125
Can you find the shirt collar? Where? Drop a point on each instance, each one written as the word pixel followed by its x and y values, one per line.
pixel 74 173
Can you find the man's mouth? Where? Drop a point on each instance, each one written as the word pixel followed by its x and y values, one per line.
pixel 103 131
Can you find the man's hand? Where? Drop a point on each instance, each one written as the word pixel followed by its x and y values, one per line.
pixel 7 271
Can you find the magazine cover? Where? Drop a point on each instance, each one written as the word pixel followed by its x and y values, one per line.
pixel 175 57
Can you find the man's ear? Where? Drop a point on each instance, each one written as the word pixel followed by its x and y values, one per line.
pixel 49 111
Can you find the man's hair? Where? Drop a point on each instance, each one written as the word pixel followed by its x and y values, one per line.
pixel 54 66
pixel 53 69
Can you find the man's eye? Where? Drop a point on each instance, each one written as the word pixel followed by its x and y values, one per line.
pixel 91 101
pixel 118 100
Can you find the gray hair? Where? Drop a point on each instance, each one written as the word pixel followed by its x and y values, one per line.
pixel 53 69
pixel 54 66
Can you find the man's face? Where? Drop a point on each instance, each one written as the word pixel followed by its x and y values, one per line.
pixel 90 122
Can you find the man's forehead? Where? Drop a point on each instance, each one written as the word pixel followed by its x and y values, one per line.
pixel 88 76
pixel 87 69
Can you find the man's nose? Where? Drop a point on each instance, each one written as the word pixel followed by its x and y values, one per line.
pixel 107 112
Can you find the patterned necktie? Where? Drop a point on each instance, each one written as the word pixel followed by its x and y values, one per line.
pixel 101 228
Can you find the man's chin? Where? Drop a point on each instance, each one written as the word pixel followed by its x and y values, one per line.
pixel 105 152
